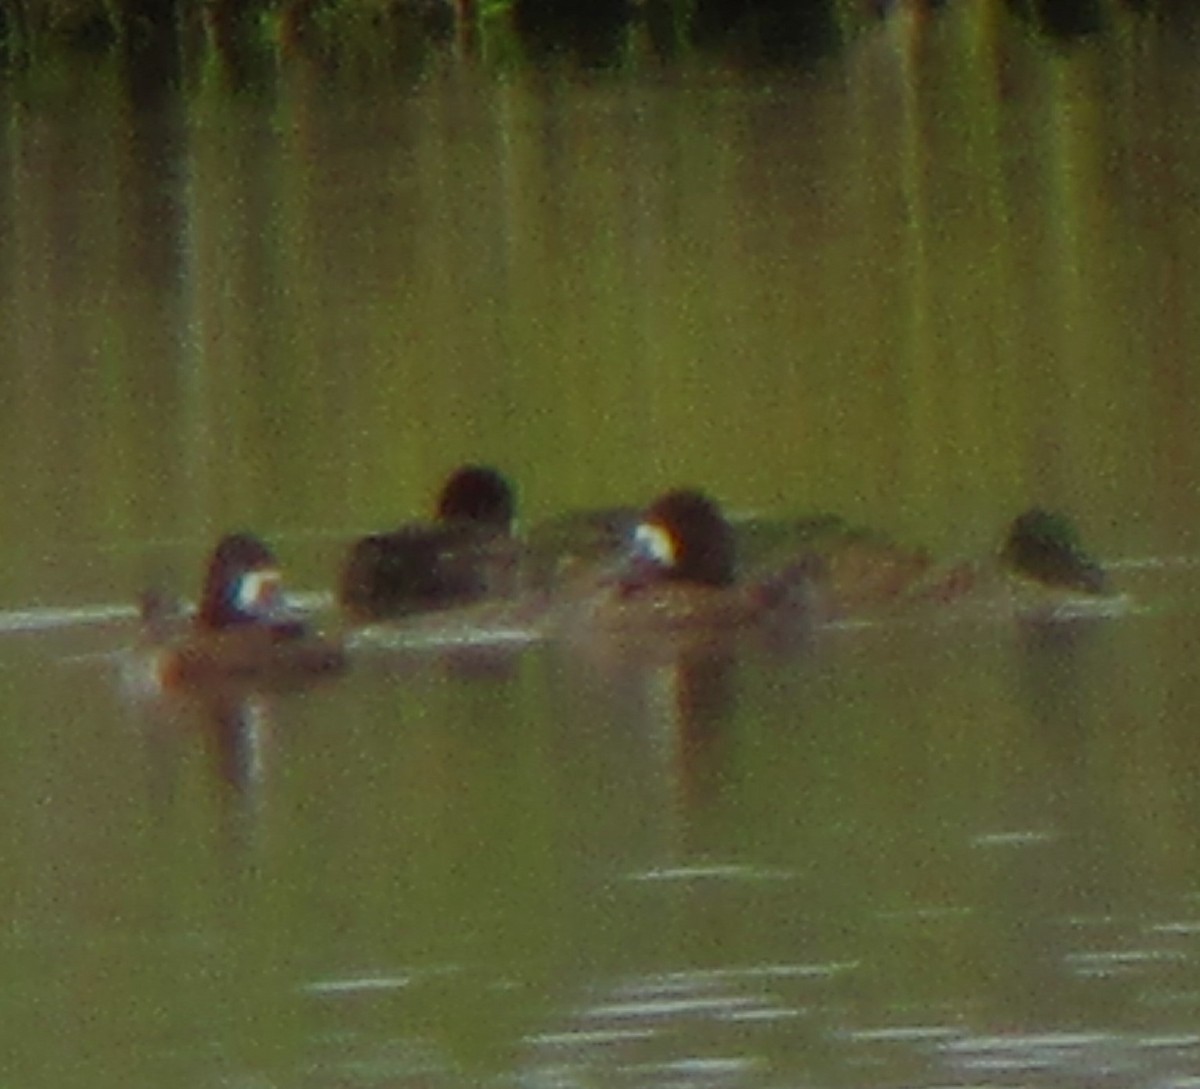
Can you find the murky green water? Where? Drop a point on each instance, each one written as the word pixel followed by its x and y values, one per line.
pixel 929 284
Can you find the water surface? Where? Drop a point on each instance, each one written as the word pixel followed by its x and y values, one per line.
pixel 936 280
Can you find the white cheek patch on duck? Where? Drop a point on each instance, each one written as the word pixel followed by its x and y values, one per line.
pixel 257 591
pixel 655 543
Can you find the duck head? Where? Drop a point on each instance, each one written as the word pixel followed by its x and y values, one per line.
pixel 681 537
pixel 242 586
pixel 478 494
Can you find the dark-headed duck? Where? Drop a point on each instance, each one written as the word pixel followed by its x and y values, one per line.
pixel 1039 572
pixel 465 555
pixel 1045 546
pixel 242 630
pixel 680 571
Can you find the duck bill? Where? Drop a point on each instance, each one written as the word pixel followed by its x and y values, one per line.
pixel 260 599
pixel 637 571
pixel 650 559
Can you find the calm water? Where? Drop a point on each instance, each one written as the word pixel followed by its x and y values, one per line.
pixel 934 281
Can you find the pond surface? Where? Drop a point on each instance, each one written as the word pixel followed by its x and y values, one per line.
pixel 941 278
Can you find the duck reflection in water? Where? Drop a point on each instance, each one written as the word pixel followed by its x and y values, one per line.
pixel 693 700
pixel 674 704
pixel 235 727
pixel 228 741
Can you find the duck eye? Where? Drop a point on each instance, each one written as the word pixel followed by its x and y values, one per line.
pixel 257 590
pixel 655 543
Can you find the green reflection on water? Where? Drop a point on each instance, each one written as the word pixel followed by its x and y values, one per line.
pixel 923 289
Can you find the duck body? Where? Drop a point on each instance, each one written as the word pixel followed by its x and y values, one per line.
pixel 860 571
pixel 422 568
pixel 468 553
pixel 270 654
pixel 667 607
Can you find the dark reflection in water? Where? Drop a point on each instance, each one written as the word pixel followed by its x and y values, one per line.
pixel 1054 682
pixel 703 694
pixel 238 730
pixel 236 736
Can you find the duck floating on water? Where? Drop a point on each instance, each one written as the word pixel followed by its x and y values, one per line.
pixel 1045 546
pixel 243 629
pixel 679 571
pixel 466 554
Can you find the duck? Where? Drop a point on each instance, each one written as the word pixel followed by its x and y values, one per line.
pixel 467 553
pixel 679 571
pixel 1040 571
pixel 1045 546
pixel 242 630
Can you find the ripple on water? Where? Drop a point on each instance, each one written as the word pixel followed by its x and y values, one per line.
pixel 1106 964
pixel 1076 1058
pixel 712 1029
pixel 362 985
pixel 375 982
pixel 34 620
pixel 714 871
pixel 1017 838
pixel 1181 927
pixel 952 1055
